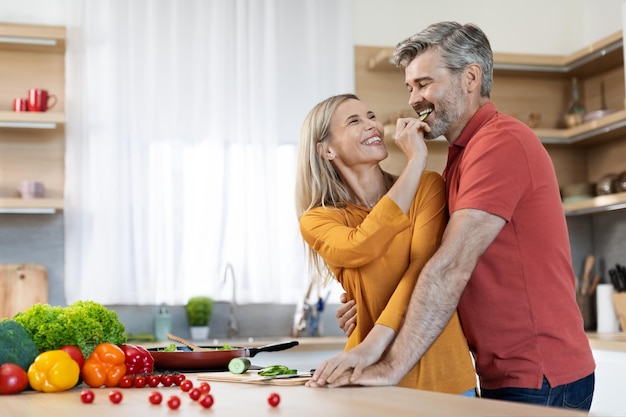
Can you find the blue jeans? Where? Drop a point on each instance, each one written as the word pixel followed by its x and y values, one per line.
pixel 577 395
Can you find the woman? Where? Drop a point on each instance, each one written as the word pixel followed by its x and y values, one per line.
pixel 374 232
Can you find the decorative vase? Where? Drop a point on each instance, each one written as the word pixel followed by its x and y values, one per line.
pixel 199 332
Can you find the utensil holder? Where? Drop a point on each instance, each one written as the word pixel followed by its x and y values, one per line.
pixel 587 306
pixel 619 302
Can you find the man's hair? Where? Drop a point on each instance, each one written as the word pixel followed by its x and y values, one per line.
pixel 458 45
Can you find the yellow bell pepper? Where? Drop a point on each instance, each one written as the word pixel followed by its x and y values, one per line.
pixel 53 371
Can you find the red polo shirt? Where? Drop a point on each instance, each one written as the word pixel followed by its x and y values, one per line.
pixel 519 309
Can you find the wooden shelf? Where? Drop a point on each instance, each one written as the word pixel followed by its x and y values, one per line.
pixel 37 38
pixel 30 205
pixel 598 204
pixel 597 57
pixel 31 120
pixel 609 127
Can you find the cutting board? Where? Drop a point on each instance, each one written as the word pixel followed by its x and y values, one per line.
pixel 250 378
pixel 21 286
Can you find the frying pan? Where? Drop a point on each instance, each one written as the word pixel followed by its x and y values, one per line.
pixel 214 358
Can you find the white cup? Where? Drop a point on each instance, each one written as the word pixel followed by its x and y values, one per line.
pixel 31 189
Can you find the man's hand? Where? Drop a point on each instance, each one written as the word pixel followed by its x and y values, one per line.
pixel 346 314
pixel 346 367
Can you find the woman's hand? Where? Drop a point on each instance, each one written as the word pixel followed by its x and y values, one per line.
pixel 410 138
pixel 346 314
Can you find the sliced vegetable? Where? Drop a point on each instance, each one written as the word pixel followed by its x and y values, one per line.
pixel 239 365
pixel 275 370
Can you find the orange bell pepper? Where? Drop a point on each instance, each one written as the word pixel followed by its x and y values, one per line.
pixel 105 366
pixel 53 371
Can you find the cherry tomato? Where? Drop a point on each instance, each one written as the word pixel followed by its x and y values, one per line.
pixel 155 398
pixel 186 385
pixel 179 378
pixel 273 399
pixel 75 353
pixel 139 381
pixel 13 379
pixel 195 394
pixel 125 382
pixel 153 380
pixel 167 380
pixel 87 396
pixel 115 396
pixel 207 401
pixel 205 387
pixel 173 402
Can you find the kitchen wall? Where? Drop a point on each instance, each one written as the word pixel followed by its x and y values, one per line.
pixel 531 26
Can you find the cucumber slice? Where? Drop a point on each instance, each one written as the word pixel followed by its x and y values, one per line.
pixel 239 365
pixel 276 370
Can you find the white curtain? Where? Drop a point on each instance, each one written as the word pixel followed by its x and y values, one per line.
pixel 183 119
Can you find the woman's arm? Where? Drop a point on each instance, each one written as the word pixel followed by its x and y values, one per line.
pixel 429 217
pixel 324 229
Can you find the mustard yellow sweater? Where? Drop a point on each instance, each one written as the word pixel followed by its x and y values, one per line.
pixel 377 256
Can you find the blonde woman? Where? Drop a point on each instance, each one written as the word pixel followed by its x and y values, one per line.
pixel 373 232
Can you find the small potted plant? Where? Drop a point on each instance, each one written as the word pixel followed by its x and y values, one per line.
pixel 199 310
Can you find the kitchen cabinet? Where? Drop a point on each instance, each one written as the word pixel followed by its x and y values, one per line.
pixel 32 144
pixel 535 89
pixel 609 352
pixel 608 397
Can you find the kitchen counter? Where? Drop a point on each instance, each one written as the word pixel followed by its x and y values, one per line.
pixel 241 399
pixel 608 341
pixel 304 343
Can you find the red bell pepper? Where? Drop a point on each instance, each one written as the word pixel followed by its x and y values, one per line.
pixel 138 360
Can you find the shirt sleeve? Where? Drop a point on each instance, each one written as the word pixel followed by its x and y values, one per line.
pixel 429 214
pixel 326 230
pixel 495 176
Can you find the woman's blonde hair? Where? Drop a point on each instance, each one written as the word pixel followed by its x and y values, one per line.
pixel 317 182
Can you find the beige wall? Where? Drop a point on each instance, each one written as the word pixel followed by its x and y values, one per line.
pixel 529 26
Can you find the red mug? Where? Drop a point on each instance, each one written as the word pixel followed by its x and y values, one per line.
pixel 20 104
pixel 39 100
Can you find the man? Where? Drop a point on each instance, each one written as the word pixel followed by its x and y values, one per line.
pixel 504 261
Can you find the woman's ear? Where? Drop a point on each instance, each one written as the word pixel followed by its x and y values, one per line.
pixel 325 152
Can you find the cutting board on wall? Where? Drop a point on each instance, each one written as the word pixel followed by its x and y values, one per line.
pixel 21 286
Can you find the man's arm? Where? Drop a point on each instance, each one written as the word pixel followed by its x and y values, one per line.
pixel 435 298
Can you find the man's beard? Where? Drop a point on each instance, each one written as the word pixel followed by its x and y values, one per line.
pixel 448 112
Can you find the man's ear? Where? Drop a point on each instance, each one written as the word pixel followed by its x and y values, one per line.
pixel 473 76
